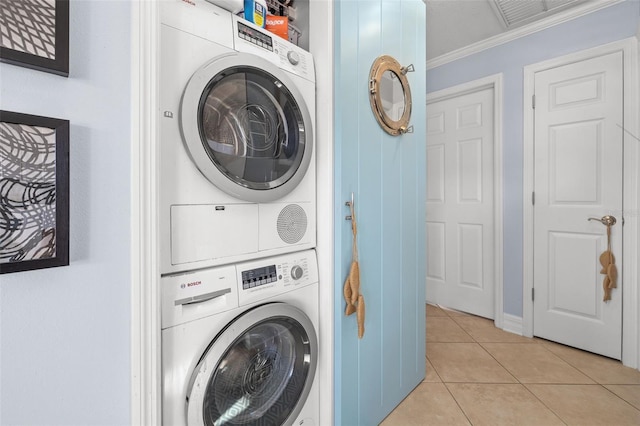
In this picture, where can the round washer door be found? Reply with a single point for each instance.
(246, 127)
(258, 371)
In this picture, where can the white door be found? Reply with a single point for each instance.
(460, 246)
(577, 175)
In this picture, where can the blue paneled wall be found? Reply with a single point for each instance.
(607, 25)
(387, 176)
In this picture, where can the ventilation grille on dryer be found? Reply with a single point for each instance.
(292, 224)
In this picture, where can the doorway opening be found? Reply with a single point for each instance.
(464, 198)
(626, 125)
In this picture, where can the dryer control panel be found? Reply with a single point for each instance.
(254, 36)
(249, 38)
(265, 278)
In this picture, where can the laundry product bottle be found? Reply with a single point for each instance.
(256, 11)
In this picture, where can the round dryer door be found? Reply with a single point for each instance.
(258, 371)
(246, 127)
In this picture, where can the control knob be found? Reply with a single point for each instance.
(293, 57)
(296, 272)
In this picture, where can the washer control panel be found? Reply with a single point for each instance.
(260, 276)
(196, 294)
(261, 279)
(297, 272)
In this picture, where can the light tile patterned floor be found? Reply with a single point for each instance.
(480, 375)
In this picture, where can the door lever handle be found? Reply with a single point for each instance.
(607, 220)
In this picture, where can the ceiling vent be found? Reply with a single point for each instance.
(515, 13)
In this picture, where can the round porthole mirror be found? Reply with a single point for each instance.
(390, 95)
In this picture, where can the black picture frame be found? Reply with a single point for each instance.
(43, 43)
(34, 192)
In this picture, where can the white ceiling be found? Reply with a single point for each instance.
(454, 24)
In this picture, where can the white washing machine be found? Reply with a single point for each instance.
(239, 344)
(237, 176)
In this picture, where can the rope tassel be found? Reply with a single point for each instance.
(609, 268)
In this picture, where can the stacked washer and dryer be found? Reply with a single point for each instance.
(237, 216)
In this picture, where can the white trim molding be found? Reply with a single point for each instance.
(631, 204)
(321, 46)
(145, 290)
(512, 324)
(634, 92)
(520, 32)
(495, 82)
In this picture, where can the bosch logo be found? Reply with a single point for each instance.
(191, 284)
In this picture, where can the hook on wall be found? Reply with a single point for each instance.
(350, 205)
(408, 68)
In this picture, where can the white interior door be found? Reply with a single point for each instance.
(460, 246)
(577, 175)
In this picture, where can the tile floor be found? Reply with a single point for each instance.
(480, 375)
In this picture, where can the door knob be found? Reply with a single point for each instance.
(607, 220)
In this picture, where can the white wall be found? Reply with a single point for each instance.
(64, 332)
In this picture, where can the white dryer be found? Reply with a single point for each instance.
(237, 176)
(239, 344)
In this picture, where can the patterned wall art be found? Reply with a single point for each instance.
(34, 192)
(35, 34)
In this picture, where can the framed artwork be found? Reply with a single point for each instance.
(35, 34)
(34, 192)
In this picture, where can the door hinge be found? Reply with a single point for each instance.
(533, 101)
(533, 294)
(533, 198)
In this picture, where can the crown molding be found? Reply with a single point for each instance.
(523, 31)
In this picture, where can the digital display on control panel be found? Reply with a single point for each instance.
(256, 37)
(259, 276)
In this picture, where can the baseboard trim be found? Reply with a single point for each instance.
(512, 324)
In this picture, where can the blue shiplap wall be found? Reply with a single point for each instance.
(604, 26)
(387, 175)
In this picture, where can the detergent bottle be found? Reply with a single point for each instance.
(256, 11)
